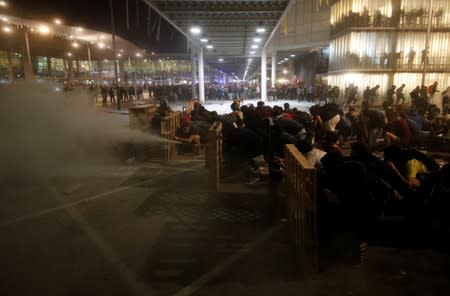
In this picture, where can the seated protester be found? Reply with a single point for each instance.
(163, 109)
(312, 154)
(186, 134)
(329, 115)
(370, 125)
(200, 113)
(353, 116)
(261, 110)
(238, 114)
(307, 121)
(397, 130)
(330, 143)
(411, 165)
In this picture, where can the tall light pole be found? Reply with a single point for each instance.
(113, 33)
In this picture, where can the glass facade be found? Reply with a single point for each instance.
(384, 41)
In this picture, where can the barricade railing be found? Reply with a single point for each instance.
(301, 207)
(169, 125)
(213, 158)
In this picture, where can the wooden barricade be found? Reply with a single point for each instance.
(169, 125)
(141, 115)
(302, 208)
(214, 155)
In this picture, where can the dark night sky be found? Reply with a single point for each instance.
(94, 14)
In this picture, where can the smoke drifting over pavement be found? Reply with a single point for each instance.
(45, 133)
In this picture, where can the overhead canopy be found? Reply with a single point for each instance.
(235, 30)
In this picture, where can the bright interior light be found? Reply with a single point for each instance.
(79, 29)
(5, 19)
(282, 80)
(75, 44)
(209, 46)
(69, 54)
(250, 59)
(101, 45)
(43, 29)
(286, 59)
(257, 39)
(292, 55)
(203, 40)
(138, 55)
(285, 71)
(57, 21)
(252, 52)
(254, 46)
(220, 60)
(260, 30)
(3, 3)
(195, 30)
(7, 29)
(119, 55)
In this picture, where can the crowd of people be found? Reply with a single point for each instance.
(363, 184)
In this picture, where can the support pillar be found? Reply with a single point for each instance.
(100, 72)
(201, 76)
(66, 69)
(194, 73)
(264, 75)
(49, 66)
(9, 67)
(121, 71)
(27, 66)
(70, 69)
(274, 69)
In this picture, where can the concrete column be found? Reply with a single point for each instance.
(27, 66)
(201, 76)
(66, 69)
(70, 69)
(77, 62)
(194, 72)
(9, 67)
(274, 68)
(264, 75)
(224, 78)
(121, 71)
(49, 67)
(100, 72)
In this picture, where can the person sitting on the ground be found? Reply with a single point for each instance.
(312, 154)
(164, 109)
(186, 134)
(412, 165)
(397, 130)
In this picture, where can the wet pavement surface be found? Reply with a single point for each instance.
(152, 229)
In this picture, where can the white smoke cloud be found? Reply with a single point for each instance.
(44, 132)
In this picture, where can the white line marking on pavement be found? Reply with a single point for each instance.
(71, 204)
(222, 267)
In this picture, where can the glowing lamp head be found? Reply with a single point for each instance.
(195, 30)
(43, 29)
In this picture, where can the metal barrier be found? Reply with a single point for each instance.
(302, 208)
(213, 158)
(169, 125)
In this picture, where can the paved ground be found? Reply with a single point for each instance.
(151, 229)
